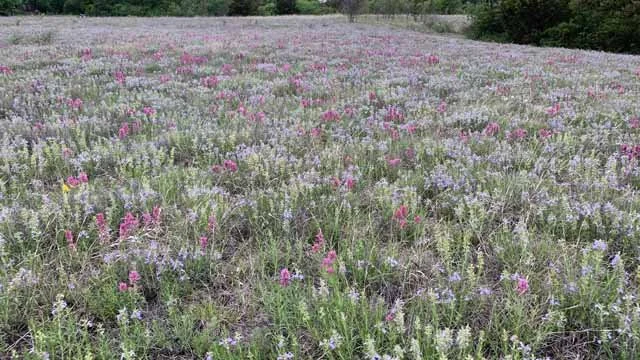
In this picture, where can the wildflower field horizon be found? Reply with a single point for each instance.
(305, 188)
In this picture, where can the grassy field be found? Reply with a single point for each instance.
(305, 188)
(430, 23)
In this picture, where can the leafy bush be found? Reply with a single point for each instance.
(446, 6)
(310, 7)
(600, 25)
(525, 20)
(286, 7)
(74, 7)
(609, 25)
(9, 7)
(487, 24)
(268, 9)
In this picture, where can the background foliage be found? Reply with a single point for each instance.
(610, 25)
(164, 7)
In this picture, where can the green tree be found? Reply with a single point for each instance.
(353, 8)
(74, 7)
(10, 7)
(243, 7)
(285, 7)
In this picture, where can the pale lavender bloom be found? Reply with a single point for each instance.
(571, 287)
(599, 245)
(354, 295)
(332, 343)
(285, 356)
(485, 291)
(615, 260)
(136, 314)
(455, 277)
(297, 276)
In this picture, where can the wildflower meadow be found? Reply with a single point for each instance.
(305, 188)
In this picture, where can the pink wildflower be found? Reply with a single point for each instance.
(153, 218)
(491, 129)
(122, 286)
(148, 110)
(330, 115)
(100, 221)
(442, 107)
(128, 224)
(390, 316)
(101, 224)
(394, 162)
(212, 223)
(134, 277)
(83, 178)
(319, 242)
(285, 277)
(401, 213)
(68, 235)
(327, 262)
(545, 133)
(155, 214)
(203, 243)
(553, 110)
(523, 286)
(227, 69)
(350, 183)
(86, 54)
(394, 114)
(5, 70)
(184, 70)
(74, 103)
(518, 134)
(120, 77)
(124, 131)
(72, 181)
(210, 81)
(464, 137)
(188, 59)
(230, 165)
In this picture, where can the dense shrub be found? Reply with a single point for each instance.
(610, 25)
(168, 7)
(310, 7)
(267, 9)
(286, 7)
(599, 25)
(9, 7)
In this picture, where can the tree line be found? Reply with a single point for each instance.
(228, 7)
(167, 7)
(608, 25)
